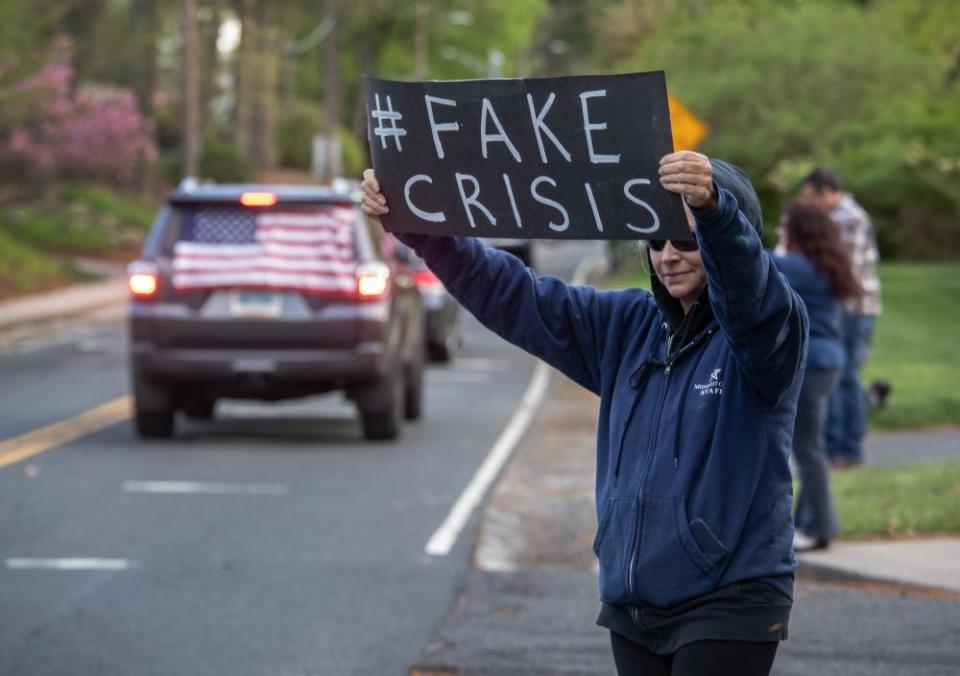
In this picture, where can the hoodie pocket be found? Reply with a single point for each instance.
(676, 559)
(615, 534)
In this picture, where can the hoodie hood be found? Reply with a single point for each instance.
(734, 180)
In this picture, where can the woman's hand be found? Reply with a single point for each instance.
(372, 202)
(689, 174)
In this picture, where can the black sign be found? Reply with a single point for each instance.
(558, 158)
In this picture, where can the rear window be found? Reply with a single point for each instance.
(300, 248)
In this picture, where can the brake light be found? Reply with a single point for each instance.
(258, 199)
(143, 279)
(427, 281)
(373, 280)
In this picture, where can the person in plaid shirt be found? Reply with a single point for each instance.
(846, 421)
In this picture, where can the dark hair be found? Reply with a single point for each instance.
(821, 178)
(811, 233)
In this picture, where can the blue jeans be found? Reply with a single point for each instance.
(847, 420)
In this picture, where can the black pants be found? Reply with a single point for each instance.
(703, 658)
(815, 515)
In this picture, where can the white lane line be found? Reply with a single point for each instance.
(461, 378)
(203, 488)
(442, 541)
(445, 537)
(480, 364)
(70, 564)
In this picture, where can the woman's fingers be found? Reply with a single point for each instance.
(372, 206)
(689, 174)
(684, 177)
(685, 156)
(696, 196)
(372, 201)
(370, 179)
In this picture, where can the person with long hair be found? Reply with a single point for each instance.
(817, 265)
(698, 384)
(847, 410)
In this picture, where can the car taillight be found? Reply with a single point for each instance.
(373, 280)
(427, 281)
(143, 278)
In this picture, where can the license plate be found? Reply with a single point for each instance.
(256, 304)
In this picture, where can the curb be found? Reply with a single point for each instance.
(825, 572)
(63, 303)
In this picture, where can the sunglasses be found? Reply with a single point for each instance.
(680, 245)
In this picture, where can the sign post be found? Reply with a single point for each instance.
(556, 158)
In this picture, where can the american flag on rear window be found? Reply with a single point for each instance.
(232, 246)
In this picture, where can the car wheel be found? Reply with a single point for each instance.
(443, 352)
(153, 409)
(200, 408)
(382, 408)
(154, 424)
(413, 391)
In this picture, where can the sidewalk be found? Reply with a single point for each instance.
(71, 301)
(529, 606)
(920, 562)
(56, 312)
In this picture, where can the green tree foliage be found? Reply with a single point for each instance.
(786, 86)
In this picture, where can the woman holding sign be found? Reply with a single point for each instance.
(698, 384)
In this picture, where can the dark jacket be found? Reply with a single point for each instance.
(823, 307)
(693, 486)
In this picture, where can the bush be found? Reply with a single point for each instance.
(56, 231)
(224, 163)
(23, 269)
(299, 122)
(109, 204)
(219, 161)
(55, 131)
(355, 158)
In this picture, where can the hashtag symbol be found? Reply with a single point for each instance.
(389, 116)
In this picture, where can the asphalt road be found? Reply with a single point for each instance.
(301, 553)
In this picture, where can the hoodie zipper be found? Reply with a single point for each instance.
(646, 469)
(636, 381)
(654, 436)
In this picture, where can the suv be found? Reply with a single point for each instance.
(272, 292)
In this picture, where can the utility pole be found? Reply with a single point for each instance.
(191, 103)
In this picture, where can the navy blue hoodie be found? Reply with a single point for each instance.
(693, 486)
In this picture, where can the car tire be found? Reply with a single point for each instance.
(199, 408)
(413, 391)
(442, 353)
(154, 424)
(153, 409)
(382, 408)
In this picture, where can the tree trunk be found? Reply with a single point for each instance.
(246, 80)
(365, 59)
(331, 93)
(191, 103)
(266, 95)
(209, 68)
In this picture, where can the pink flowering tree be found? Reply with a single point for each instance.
(48, 130)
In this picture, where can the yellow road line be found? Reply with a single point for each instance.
(33, 443)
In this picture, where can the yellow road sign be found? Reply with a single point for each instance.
(688, 129)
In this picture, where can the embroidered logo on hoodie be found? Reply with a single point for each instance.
(712, 387)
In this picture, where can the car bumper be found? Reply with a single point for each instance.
(367, 363)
